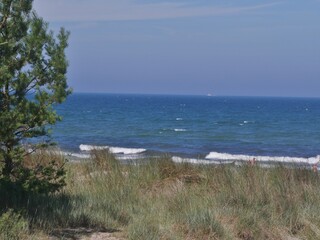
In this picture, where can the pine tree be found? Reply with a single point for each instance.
(33, 69)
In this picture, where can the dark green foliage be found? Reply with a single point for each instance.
(33, 69)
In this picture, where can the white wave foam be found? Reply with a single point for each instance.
(196, 161)
(88, 148)
(246, 122)
(179, 119)
(130, 157)
(79, 155)
(118, 150)
(180, 130)
(115, 150)
(231, 157)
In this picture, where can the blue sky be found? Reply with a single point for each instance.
(221, 47)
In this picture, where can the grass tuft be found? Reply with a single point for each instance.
(13, 226)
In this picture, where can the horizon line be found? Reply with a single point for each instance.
(191, 94)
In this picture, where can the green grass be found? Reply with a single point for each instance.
(13, 226)
(159, 199)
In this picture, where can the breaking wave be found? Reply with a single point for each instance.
(225, 158)
(196, 161)
(115, 150)
(215, 156)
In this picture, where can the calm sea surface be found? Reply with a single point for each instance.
(190, 126)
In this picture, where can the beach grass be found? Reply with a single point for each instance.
(160, 199)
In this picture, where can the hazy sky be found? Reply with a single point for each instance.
(222, 47)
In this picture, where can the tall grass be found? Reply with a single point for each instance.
(159, 199)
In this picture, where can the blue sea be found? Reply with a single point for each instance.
(203, 128)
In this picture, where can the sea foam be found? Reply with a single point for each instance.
(195, 161)
(264, 161)
(215, 156)
(88, 148)
(180, 130)
(78, 155)
(118, 150)
(115, 150)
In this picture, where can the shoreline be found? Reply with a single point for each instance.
(187, 201)
(213, 158)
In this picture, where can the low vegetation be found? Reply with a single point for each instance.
(159, 199)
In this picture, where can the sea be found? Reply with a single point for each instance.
(197, 129)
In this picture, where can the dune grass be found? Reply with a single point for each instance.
(159, 199)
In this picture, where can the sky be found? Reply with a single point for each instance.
(218, 47)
